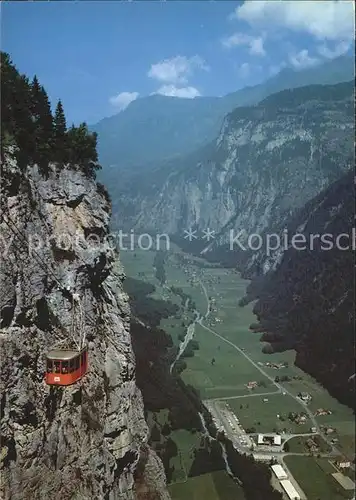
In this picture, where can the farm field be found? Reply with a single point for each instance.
(213, 486)
(263, 416)
(136, 262)
(186, 443)
(228, 374)
(299, 445)
(314, 478)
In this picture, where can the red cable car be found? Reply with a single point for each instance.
(66, 366)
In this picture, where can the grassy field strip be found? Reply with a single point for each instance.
(315, 481)
(214, 486)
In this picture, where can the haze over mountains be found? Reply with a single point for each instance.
(268, 160)
(261, 160)
(156, 128)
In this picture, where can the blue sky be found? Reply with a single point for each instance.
(99, 56)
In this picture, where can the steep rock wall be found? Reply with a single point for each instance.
(268, 161)
(89, 440)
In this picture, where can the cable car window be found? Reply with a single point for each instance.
(57, 366)
(65, 367)
(71, 366)
(49, 366)
(77, 363)
(82, 359)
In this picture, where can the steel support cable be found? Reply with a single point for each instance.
(44, 266)
(47, 269)
(39, 259)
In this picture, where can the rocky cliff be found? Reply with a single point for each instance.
(88, 440)
(268, 161)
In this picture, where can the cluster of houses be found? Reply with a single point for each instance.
(304, 396)
(320, 412)
(277, 366)
(312, 445)
(327, 429)
(298, 418)
(251, 385)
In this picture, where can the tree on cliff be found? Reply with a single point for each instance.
(39, 138)
(42, 124)
(82, 150)
(60, 134)
(16, 120)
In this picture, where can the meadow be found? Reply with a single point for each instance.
(213, 486)
(228, 374)
(315, 479)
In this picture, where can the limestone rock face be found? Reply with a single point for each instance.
(268, 161)
(88, 440)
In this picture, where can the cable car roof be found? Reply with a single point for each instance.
(62, 354)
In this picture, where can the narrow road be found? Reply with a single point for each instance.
(207, 300)
(191, 328)
(183, 345)
(246, 395)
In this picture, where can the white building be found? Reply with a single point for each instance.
(262, 458)
(290, 490)
(344, 465)
(277, 440)
(261, 439)
(279, 472)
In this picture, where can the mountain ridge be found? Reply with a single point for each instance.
(156, 128)
(307, 126)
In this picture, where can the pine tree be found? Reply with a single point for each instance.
(82, 147)
(16, 123)
(43, 125)
(28, 124)
(60, 128)
(23, 132)
(8, 79)
(46, 128)
(35, 90)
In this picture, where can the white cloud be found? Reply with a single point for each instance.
(183, 92)
(122, 100)
(302, 60)
(256, 47)
(324, 19)
(338, 50)
(274, 69)
(244, 70)
(177, 69)
(237, 39)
